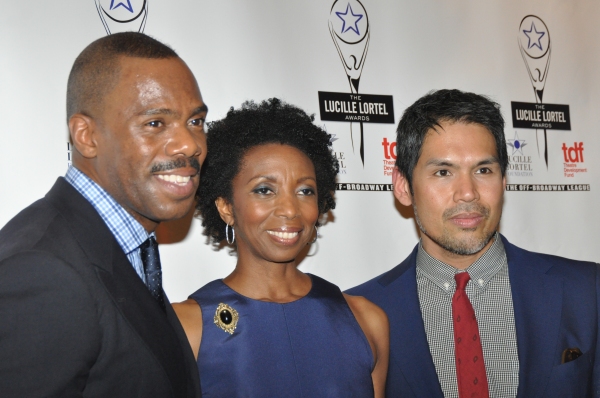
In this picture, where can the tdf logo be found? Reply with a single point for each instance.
(573, 154)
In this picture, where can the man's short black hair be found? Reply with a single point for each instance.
(445, 106)
(96, 70)
(270, 122)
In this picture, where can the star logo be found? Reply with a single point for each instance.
(350, 18)
(534, 37)
(127, 6)
(516, 144)
(122, 15)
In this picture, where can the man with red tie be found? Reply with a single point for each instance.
(472, 315)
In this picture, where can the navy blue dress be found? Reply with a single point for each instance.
(312, 347)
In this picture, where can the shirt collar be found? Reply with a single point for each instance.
(481, 271)
(128, 232)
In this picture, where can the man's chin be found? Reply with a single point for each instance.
(173, 212)
(175, 216)
(465, 246)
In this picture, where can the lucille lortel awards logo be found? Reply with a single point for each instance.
(536, 47)
(350, 32)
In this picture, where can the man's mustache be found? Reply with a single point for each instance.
(467, 208)
(176, 164)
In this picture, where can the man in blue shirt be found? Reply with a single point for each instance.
(82, 308)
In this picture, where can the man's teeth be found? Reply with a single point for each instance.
(179, 180)
(284, 235)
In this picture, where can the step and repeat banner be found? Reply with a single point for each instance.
(356, 65)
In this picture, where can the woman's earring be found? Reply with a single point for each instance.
(316, 236)
(227, 226)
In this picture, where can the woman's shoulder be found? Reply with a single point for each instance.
(189, 311)
(190, 317)
(367, 311)
(369, 315)
(321, 286)
(208, 291)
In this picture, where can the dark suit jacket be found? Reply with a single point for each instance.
(556, 307)
(75, 318)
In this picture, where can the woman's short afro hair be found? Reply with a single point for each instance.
(270, 122)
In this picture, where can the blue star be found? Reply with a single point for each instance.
(537, 40)
(516, 144)
(127, 6)
(357, 17)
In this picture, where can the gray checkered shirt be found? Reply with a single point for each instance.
(490, 295)
(127, 231)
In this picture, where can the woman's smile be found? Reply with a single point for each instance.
(284, 237)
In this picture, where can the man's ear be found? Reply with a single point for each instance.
(82, 130)
(401, 187)
(225, 210)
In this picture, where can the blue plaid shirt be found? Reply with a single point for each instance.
(127, 231)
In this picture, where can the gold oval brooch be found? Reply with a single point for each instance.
(226, 318)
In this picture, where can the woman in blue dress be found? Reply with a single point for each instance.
(267, 329)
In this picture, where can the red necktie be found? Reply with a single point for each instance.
(470, 368)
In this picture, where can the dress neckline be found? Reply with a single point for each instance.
(312, 287)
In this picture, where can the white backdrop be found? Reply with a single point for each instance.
(257, 49)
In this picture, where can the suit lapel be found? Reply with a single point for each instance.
(537, 301)
(127, 290)
(408, 342)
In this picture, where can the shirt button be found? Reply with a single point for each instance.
(481, 282)
(446, 285)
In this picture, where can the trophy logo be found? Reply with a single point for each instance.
(534, 42)
(122, 15)
(349, 29)
(535, 46)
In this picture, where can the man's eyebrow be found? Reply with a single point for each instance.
(446, 163)
(200, 109)
(439, 162)
(167, 111)
(156, 111)
(490, 160)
